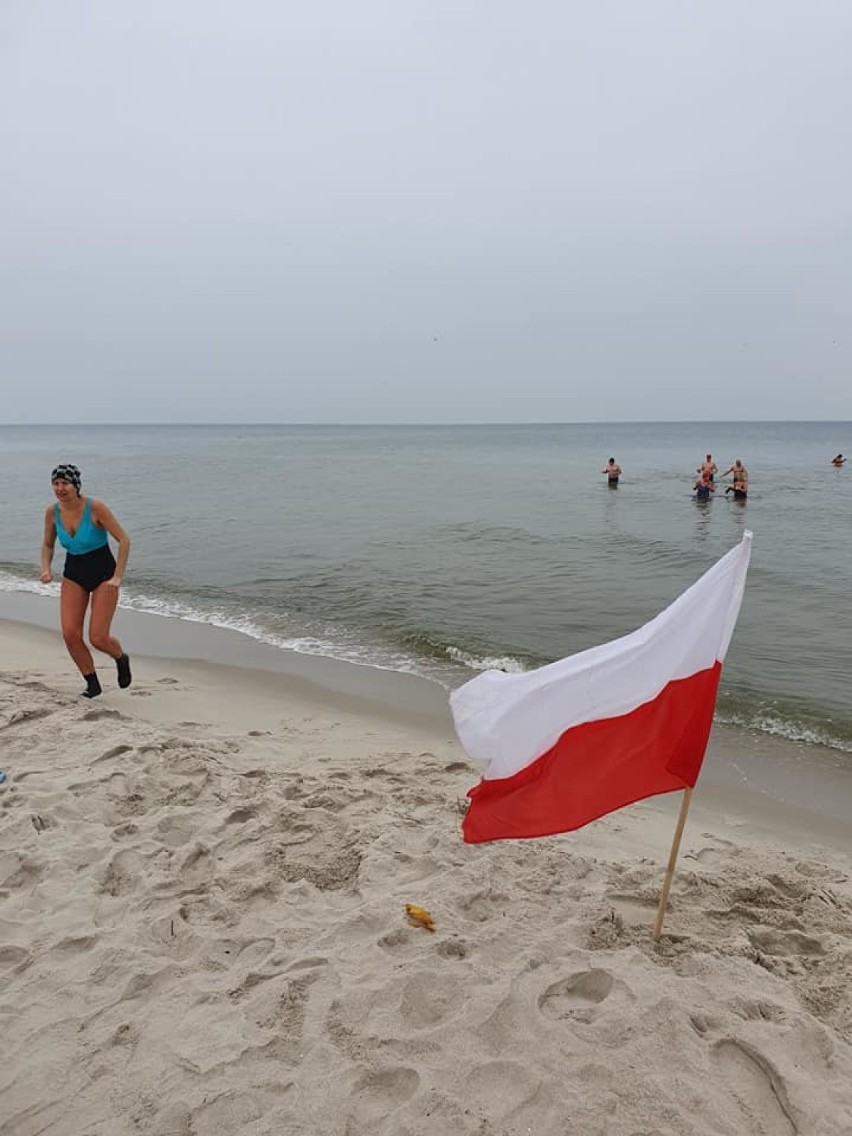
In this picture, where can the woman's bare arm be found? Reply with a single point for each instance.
(48, 543)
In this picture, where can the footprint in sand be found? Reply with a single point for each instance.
(147, 985)
(789, 889)
(483, 905)
(295, 791)
(702, 1024)
(18, 717)
(576, 996)
(760, 1011)
(116, 751)
(431, 997)
(705, 855)
(311, 962)
(175, 830)
(174, 1119)
(13, 958)
(377, 1093)
(398, 938)
(231, 1111)
(241, 815)
(718, 849)
(253, 953)
(75, 944)
(198, 865)
(127, 828)
(757, 1087)
(99, 715)
(285, 1013)
(20, 871)
(453, 949)
(504, 1086)
(121, 875)
(321, 851)
(774, 942)
(334, 803)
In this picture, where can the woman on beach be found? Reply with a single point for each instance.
(91, 575)
(740, 486)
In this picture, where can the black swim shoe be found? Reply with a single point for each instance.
(122, 665)
(93, 686)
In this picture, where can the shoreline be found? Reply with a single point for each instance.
(168, 638)
(797, 707)
(756, 776)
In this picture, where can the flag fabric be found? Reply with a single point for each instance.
(589, 734)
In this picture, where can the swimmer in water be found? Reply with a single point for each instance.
(709, 467)
(613, 472)
(704, 487)
(838, 461)
(740, 485)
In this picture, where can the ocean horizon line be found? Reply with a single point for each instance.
(437, 425)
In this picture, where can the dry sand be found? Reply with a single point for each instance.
(202, 883)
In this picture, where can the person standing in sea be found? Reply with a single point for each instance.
(740, 475)
(613, 472)
(709, 467)
(704, 486)
(91, 578)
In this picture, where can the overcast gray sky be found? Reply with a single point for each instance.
(425, 210)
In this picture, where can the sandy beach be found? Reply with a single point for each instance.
(202, 926)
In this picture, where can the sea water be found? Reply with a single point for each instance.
(443, 550)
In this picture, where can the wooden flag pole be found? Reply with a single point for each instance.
(667, 882)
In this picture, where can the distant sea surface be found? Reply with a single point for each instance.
(445, 550)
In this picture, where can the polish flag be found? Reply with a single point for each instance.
(589, 734)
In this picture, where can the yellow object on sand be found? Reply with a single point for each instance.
(419, 916)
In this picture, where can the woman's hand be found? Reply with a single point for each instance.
(113, 582)
(46, 576)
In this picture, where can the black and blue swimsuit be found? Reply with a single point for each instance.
(89, 561)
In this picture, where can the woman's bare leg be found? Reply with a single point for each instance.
(73, 601)
(104, 603)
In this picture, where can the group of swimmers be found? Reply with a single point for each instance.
(705, 484)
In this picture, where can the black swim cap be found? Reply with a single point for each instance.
(68, 473)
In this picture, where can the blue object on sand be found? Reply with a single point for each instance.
(2, 776)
